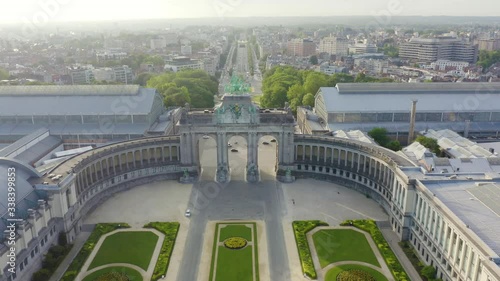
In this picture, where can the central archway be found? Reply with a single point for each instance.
(237, 151)
(268, 155)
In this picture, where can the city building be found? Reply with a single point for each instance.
(472, 109)
(81, 76)
(362, 48)
(178, 63)
(331, 69)
(301, 47)
(488, 44)
(447, 65)
(439, 48)
(83, 114)
(110, 55)
(123, 74)
(186, 50)
(372, 66)
(334, 46)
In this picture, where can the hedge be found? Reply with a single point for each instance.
(390, 258)
(300, 228)
(170, 230)
(52, 259)
(81, 257)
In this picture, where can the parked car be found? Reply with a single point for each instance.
(206, 137)
(265, 142)
(273, 140)
(234, 150)
(187, 214)
(229, 145)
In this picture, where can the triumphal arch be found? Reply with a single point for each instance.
(237, 115)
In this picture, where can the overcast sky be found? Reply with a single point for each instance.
(78, 10)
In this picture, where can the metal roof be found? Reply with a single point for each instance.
(70, 90)
(82, 100)
(22, 142)
(397, 97)
(467, 201)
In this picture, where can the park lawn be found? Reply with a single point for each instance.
(131, 273)
(334, 245)
(133, 247)
(331, 275)
(235, 230)
(234, 264)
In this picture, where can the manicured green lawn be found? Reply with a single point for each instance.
(231, 265)
(132, 274)
(234, 264)
(335, 245)
(331, 275)
(235, 230)
(133, 247)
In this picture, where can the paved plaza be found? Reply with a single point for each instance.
(267, 201)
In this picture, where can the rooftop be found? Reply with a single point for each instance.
(75, 100)
(476, 204)
(433, 97)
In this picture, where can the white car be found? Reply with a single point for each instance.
(187, 214)
(206, 137)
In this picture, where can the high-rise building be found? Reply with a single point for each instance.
(488, 44)
(334, 46)
(439, 48)
(301, 47)
(82, 76)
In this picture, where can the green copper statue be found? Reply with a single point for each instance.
(237, 86)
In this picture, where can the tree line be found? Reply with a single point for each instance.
(195, 87)
(298, 87)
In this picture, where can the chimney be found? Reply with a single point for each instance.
(413, 115)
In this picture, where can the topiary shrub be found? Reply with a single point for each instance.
(355, 275)
(235, 243)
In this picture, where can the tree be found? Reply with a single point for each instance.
(193, 86)
(394, 145)
(41, 275)
(62, 240)
(314, 81)
(4, 74)
(429, 272)
(308, 99)
(379, 135)
(295, 96)
(142, 79)
(313, 60)
(430, 143)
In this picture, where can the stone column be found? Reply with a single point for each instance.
(252, 169)
(222, 174)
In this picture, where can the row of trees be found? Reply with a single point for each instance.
(487, 59)
(195, 87)
(298, 87)
(4, 74)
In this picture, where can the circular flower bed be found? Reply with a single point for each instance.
(355, 275)
(113, 276)
(235, 243)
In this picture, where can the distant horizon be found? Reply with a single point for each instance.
(46, 11)
(243, 17)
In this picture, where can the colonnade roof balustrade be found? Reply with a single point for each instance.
(78, 162)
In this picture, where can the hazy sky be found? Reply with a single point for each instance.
(77, 10)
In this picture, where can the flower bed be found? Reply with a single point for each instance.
(170, 230)
(355, 275)
(390, 258)
(79, 260)
(300, 228)
(113, 276)
(235, 243)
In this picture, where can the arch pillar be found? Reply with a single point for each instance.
(252, 168)
(222, 174)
